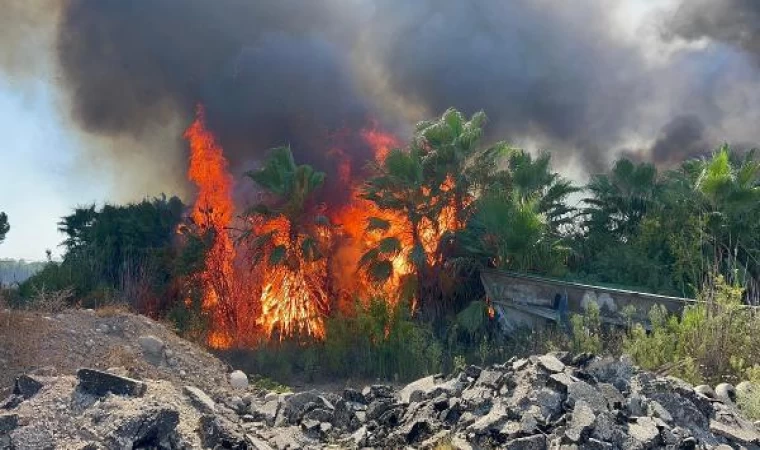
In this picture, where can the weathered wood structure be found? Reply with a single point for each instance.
(528, 301)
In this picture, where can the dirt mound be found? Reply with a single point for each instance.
(63, 343)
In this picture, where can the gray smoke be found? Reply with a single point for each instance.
(551, 75)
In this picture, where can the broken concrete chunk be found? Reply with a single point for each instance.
(200, 399)
(97, 383)
(26, 386)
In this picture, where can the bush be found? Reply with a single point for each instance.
(712, 342)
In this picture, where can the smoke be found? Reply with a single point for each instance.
(562, 76)
(733, 22)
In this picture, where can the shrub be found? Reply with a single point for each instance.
(712, 341)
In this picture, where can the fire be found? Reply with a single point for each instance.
(287, 291)
(294, 299)
(212, 212)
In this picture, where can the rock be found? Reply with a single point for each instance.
(705, 390)
(359, 437)
(97, 383)
(379, 407)
(582, 422)
(491, 379)
(377, 391)
(200, 399)
(266, 412)
(319, 414)
(299, 404)
(352, 395)
(655, 409)
(417, 431)
(11, 402)
(238, 380)
(418, 390)
(561, 382)
(520, 364)
(551, 363)
(218, 432)
(473, 371)
(725, 393)
(151, 345)
(615, 400)
(580, 390)
(26, 386)
(151, 428)
(644, 431)
(536, 442)
(736, 433)
(494, 420)
(255, 443)
(8, 423)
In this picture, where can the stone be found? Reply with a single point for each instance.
(494, 420)
(655, 409)
(582, 421)
(359, 437)
(551, 363)
(266, 412)
(239, 380)
(254, 443)
(561, 382)
(736, 433)
(8, 423)
(705, 390)
(97, 383)
(352, 395)
(417, 431)
(644, 431)
(377, 391)
(635, 406)
(473, 371)
(33, 437)
(11, 402)
(615, 400)
(151, 345)
(319, 414)
(299, 404)
(535, 442)
(580, 390)
(725, 393)
(490, 378)
(520, 364)
(418, 390)
(378, 408)
(218, 432)
(26, 386)
(550, 403)
(200, 399)
(148, 429)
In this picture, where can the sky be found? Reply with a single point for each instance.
(47, 166)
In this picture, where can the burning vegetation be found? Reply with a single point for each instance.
(279, 267)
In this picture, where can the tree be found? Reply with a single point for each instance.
(4, 226)
(290, 237)
(517, 223)
(619, 200)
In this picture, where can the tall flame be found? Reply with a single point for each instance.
(212, 213)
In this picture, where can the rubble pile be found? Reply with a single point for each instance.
(556, 400)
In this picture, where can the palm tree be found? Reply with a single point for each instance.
(400, 187)
(619, 200)
(290, 237)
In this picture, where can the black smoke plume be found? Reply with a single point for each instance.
(550, 75)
